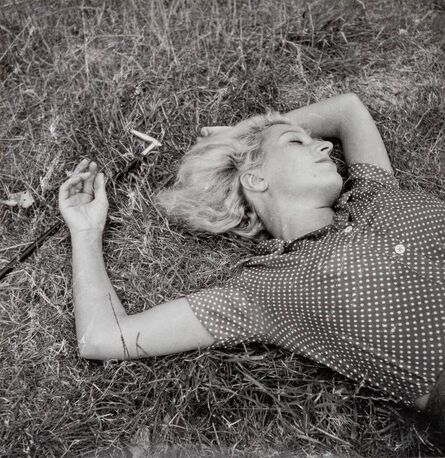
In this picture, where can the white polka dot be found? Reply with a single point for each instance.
(364, 296)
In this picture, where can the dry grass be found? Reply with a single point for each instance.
(75, 78)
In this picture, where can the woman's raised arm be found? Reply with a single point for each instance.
(344, 117)
(104, 330)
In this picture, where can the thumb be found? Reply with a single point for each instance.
(99, 187)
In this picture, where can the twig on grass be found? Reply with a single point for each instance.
(55, 227)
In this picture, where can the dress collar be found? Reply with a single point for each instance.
(278, 246)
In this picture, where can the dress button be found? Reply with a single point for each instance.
(348, 229)
(400, 249)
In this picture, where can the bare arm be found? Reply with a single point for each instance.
(96, 303)
(344, 117)
(105, 331)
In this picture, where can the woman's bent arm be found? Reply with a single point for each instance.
(345, 117)
(95, 301)
(105, 331)
(324, 118)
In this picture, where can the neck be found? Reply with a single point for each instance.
(291, 223)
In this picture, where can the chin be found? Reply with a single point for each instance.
(335, 191)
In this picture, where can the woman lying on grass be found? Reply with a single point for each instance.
(353, 280)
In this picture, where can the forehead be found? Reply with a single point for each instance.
(273, 133)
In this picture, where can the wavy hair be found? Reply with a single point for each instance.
(207, 194)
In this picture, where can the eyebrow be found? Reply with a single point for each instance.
(296, 131)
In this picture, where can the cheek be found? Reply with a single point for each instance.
(286, 165)
(278, 174)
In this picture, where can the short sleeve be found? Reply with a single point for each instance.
(365, 183)
(370, 175)
(228, 314)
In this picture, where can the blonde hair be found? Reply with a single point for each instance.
(207, 194)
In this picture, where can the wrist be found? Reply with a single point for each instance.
(86, 235)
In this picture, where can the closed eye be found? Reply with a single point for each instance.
(296, 141)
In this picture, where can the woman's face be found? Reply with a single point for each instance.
(292, 169)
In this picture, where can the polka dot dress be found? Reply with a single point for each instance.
(364, 295)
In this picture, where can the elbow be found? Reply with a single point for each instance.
(88, 350)
(353, 100)
(351, 95)
(350, 110)
(100, 351)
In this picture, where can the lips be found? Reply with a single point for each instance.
(325, 159)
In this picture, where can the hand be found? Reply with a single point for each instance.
(230, 131)
(210, 134)
(83, 200)
(210, 130)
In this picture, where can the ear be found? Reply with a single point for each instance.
(253, 181)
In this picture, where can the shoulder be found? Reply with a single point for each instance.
(368, 173)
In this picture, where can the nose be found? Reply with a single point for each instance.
(325, 147)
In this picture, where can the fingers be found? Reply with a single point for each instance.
(88, 184)
(81, 166)
(99, 187)
(206, 131)
(69, 187)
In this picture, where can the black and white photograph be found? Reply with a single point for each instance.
(222, 228)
